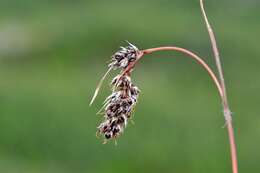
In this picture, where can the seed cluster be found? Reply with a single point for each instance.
(119, 106)
(122, 58)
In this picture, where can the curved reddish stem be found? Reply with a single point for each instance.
(214, 78)
(195, 57)
(182, 50)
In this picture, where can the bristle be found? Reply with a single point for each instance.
(98, 86)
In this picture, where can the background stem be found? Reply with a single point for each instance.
(227, 112)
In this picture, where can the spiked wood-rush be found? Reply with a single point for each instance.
(120, 104)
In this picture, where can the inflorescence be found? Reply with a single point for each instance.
(118, 107)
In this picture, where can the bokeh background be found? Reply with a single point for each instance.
(52, 54)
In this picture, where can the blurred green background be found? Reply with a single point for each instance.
(52, 54)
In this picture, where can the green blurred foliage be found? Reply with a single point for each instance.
(52, 54)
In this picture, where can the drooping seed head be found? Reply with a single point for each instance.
(118, 107)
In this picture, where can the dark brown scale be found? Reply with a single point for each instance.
(133, 91)
(113, 124)
(120, 120)
(125, 104)
(131, 59)
(115, 131)
(124, 111)
(118, 56)
(114, 81)
(109, 113)
(130, 102)
(128, 114)
(124, 84)
(116, 107)
(105, 127)
(113, 107)
(107, 135)
(118, 111)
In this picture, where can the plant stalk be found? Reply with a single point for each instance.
(227, 112)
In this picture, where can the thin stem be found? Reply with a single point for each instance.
(216, 54)
(227, 112)
(195, 57)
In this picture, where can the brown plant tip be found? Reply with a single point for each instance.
(122, 58)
